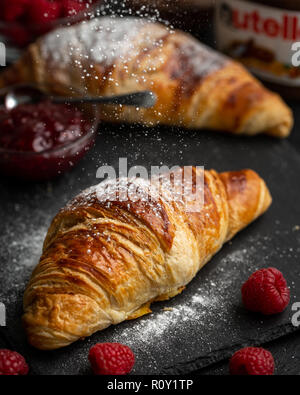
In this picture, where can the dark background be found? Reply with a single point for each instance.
(196, 339)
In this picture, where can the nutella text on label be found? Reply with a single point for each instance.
(262, 37)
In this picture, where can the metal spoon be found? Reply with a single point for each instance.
(25, 94)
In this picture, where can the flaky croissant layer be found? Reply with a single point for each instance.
(105, 261)
(196, 86)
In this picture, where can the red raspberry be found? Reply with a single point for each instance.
(12, 363)
(44, 11)
(73, 7)
(19, 35)
(252, 361)
(266, 292)
(12, 10)
(111, 358)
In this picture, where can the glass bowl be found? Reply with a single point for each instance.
(48, 164)
(16, 35)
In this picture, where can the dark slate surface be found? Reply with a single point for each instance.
(207, 322)
(286, 353)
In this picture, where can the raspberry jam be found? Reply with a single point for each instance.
(43, 140)
(37, 128)
(24, 20)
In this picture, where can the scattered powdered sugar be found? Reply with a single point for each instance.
(22, 242)
(154, 326)
(101, 40)
(27, 246)
(195, 305)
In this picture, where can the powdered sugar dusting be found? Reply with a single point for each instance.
(102, 40)
(24, 244)
(194, 307)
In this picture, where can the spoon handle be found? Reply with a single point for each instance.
(145, 99)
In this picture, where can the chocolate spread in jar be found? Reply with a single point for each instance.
(265, 36)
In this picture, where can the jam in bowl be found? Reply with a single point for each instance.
(41, 141)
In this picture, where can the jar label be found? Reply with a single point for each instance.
(265, 39)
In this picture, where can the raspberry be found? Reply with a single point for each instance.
(41, 11)
(44, 11)
(19, 35)
(266, 292)
(252, 361)
(73, 7)
(12, 363)
(111, 358)
(12, 10)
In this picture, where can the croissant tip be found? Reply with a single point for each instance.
(267, 200)
(248, 198)
(282, 129)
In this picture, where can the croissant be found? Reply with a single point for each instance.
(196, 86)
(106, 260)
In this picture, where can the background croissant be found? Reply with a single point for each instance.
(105, 261)
(196, 86)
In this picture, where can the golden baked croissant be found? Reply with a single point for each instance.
(196, 86)
(104, 260)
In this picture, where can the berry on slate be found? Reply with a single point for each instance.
(12, 363)
(252, 361)
(266, 291)
(111, 359)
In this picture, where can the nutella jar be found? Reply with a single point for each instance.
(265, 36)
